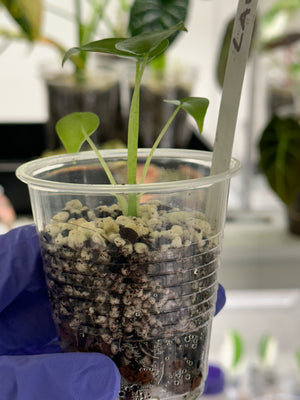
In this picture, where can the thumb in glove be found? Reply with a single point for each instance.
(69, 376)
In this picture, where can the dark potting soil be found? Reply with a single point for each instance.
(138, 289)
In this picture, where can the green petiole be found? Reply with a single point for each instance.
(156, 143)
(122, 201)
(133, 136)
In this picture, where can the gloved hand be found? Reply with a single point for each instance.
(31, 365)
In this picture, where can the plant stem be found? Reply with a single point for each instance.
(156, 143)
(97, 15)
(79, 72)
(133, 127)
(78, 21)
(122, 201)
(101, 159)
(133, 134)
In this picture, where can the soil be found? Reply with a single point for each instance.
(138, 289)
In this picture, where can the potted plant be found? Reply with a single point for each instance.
(131, 266)
(100, 88)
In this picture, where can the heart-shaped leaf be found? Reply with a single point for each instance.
(74, 128)
(150, 16)
(195, 106)
(279, 148)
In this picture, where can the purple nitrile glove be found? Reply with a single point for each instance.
(215, 381)
(28, 338)
(26, 325)
(221, 299)
(31, 365)
(64, 376)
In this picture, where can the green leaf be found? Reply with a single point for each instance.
(267, 350)
(159, 64)
(148, 42)
(107, 46)
(279, 148)
(195, 106)
(153, 15)
(223, 52)
(27, 14)
(262, 347)
(237, 348)
(158, 51)
(74, 128)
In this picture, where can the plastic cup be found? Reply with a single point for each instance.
(139, 289)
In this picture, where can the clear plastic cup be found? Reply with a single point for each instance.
(139, 289)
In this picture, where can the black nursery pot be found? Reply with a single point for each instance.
(140, 289)
(98, 93)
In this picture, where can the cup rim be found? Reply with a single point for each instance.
(27, 172)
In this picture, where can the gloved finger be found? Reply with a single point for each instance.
(221, 299)
(21, 264)
(25, 317)
(69, 376)
(215, 381)
(26, 325)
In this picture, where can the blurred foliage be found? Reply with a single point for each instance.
(88, 16)
(279, 145)
(280, 157)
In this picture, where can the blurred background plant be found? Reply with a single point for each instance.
(279, 144)
(92, 18)
(86, 16)
(91, 82)
(96, 83)
(277, 42)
